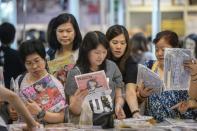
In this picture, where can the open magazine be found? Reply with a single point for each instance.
(46, 93)
(59, 67)
(99, 97)
(175, 76)
(149, 78)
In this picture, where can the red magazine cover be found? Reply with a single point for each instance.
(92, 81)
(46, 93)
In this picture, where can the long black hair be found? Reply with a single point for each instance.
(91, 42)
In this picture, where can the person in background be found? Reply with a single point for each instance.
(119, 52)
(11, 63)
(9, 58)
(14, 100)
(63, 36)
(159, 105)
(190, 42)
(139, 49)
(92, 58)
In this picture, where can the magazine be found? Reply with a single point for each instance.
(59, 67)
(94, 82)
(46, 93)
(99, 97)
(175, 76)
(149, 78)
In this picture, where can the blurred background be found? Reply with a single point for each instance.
(31, 17)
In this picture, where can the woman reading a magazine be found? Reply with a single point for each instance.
(48, 103)
(118, 38)
(92, 58)
(159, 105)
(64, 38)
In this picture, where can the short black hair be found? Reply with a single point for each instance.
(30, 47)
(169, 36)
(57, 21)
(7, 33)
(90, 42)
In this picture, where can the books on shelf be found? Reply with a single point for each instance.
(46, 93)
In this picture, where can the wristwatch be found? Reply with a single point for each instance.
(41, 114)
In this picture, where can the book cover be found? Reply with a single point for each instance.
(175, 76)
(149, 78)
(46, 93)
(94, 82)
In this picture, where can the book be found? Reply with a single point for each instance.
(46, 93)
(175, 76)
(59, 67)
(94, 82)
(149, 78)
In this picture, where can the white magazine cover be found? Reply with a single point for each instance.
(99, 97)
(149, 78)
(175, 76)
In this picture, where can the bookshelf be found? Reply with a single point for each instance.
(177, 15)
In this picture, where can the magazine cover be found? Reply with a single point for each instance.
(46, 94)
(59, 67)
(175, 76)
(94, 82)
(149, 78)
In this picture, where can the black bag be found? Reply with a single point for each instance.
(105, 120)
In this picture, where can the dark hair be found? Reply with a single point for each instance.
(169, 36)
(194, 38)
(115, 31)
(30, 47)
(91, 42)
(138, 42)
(57, 21)
(7, 33)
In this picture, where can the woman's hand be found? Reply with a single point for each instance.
(191, 65)
(143, 92)
(33, 107)
(119, 112)
(183, 106)
(76, 101)
(12, 113)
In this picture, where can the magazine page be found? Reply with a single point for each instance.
(59, 67)
(46, 93)
(175, 76)
(149, 78)
(94, 82)
(99, 97)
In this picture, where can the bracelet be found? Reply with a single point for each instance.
(41, 114)
(142, 96)
(135, 111)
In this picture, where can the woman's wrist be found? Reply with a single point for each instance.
(135, 111)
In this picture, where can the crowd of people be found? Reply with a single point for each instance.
(114, 52)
